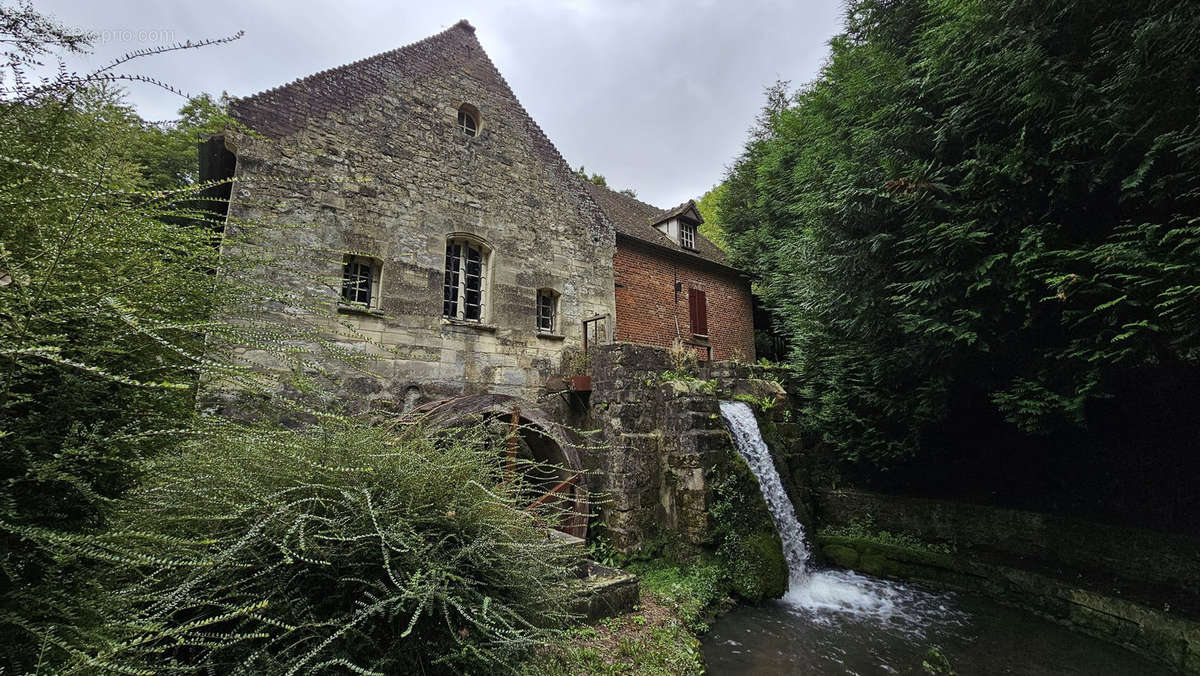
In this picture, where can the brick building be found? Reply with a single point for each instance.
(468, 250)
(671, 282)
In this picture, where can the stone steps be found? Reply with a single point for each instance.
(605, 592)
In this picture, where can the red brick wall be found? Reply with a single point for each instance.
(647, 306)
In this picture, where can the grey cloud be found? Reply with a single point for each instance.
(657, 96)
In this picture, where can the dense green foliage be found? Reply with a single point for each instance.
(979, 197)
(261, 550)
(745, 539)
(711, 213)
(140, 535)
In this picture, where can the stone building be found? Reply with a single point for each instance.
(468, 249)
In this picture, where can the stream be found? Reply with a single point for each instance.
(839, 622)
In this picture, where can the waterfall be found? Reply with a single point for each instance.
(739, 418)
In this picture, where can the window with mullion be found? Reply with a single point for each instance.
(359, 278)
(545, 311)
(687, 236)
(464, 283)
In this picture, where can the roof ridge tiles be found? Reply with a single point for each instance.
(461, 24)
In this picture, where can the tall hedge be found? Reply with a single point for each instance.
(999, 197)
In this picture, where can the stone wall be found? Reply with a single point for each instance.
(1158, 632)
(1035, 539)
(367, 159)
(651, 313)
(659, 439)
(666, 459)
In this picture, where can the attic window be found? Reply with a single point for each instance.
(687, 235)
(468, 120)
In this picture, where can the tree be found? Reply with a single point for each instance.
(710, 212)
(994, 198)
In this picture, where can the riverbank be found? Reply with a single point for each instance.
(1126, 587)
(678, 603)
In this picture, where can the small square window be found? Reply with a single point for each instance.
(360, 281)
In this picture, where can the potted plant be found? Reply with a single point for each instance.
(577, 367)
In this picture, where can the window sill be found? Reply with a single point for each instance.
(551, 336)
(348, 309)
(700, 336)
(462, 323)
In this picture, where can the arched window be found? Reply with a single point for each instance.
(464, 287)
(468, 120)
(547, 311)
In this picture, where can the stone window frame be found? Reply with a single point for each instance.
(456, 286)
(687, 235)
(359, 271)
(546, 315)
(469, 122)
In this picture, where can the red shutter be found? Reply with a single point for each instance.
(698, 307)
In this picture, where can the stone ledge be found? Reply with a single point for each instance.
(551, 336)
(453, 324)
(347, 309)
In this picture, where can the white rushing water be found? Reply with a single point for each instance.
(750, 445)
(823, 595)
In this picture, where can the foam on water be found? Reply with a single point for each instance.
(825, 595)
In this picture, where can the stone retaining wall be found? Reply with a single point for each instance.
(1172, 562)
(1154, 633)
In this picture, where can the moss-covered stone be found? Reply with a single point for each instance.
(742, 532)
(872, 562)
(759, 571)
(841, 555)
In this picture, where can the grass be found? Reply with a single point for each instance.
(864, 529)
(653, 639)
(678, 603)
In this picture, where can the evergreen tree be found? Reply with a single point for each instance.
(993, 197)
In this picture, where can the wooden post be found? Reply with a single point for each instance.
(510, 464)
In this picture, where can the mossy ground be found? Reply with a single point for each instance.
(654, 639)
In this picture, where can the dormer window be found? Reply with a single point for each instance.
(468, 120)
(687, 235)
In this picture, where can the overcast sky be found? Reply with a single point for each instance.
(655, 95)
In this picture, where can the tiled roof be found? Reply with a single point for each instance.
(636, 219)
(284, 110)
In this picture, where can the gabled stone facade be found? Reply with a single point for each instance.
(368, 160)
(373, 173)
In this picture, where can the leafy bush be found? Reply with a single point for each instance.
(864, 529)
(993, 200)
(112, 312)
(695, 589)
(363, 548)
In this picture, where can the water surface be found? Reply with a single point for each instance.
(845, 623)
(837, 622)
